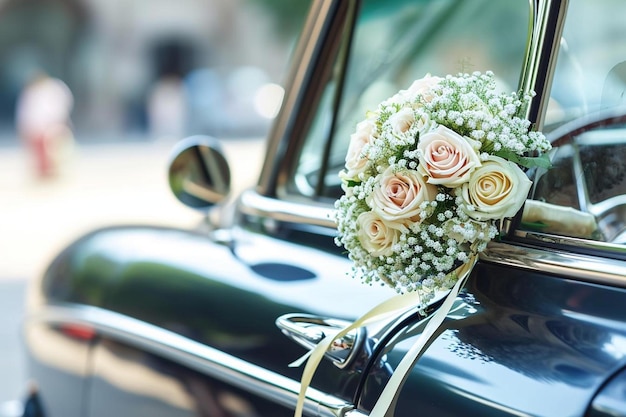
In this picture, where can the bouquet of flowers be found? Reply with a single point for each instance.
(428, 176)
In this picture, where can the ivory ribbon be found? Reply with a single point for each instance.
(386, 403)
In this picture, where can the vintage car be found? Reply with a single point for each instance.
(151, 321)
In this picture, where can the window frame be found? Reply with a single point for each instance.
(541, 70)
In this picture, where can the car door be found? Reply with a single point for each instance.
(539, 328)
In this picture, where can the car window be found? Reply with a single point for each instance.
(393, 44)
(586, 188)
(591, 64)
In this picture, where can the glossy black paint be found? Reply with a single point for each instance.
(540, 339)
(225, 296)
(518, 343)
(611, 400)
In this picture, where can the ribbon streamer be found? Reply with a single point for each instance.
(386, 403)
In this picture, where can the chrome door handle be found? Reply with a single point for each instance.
(308, 330)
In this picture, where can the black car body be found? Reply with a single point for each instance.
(134, 321)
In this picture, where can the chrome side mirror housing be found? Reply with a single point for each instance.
(199, 174)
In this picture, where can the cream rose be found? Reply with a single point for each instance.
(496, 190)
(423, 88)
(377, 236)
(399, 195)
(356, 161)
(446, 157)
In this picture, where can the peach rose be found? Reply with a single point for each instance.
(356, 161)
(377, 236)
(423, 88)
(399, 195)
(446, 157)
(496, 190)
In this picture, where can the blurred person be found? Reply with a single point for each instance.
(32, 404)
(43, 122)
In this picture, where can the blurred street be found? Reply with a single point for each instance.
(121, 82)
(101, 185)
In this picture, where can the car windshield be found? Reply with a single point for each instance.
(395, 43)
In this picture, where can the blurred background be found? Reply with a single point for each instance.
(94, 94)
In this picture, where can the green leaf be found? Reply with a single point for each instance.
(542, 161)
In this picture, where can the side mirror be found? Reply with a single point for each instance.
(199, 175)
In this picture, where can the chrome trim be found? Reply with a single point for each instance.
(577, 266)
(356, 413)
(195, 355)
(584, 267)
(310, 40)
(572, 242)
(254, 204)
(586, 245)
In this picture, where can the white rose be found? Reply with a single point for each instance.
(496, 190)
(423, 88)
(377, 236)
(402, 121)
(447, 158)
(356, 160)
(409, 119)
(423, 122)
(398, 195)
